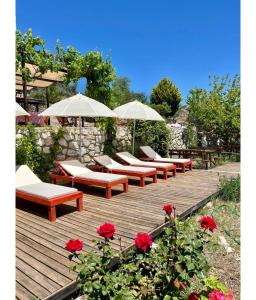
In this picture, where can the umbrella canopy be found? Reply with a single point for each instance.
(20, 111)
(136, 110)
(78, 106)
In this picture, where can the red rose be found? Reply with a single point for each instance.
(193, 296)
(168, 209)
(208, 223)
(106, 230)
(143, 241)
(74, 245)
(216, 295)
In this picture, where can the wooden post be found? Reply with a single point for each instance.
(47, 97)
(47, 101)
(24, 84)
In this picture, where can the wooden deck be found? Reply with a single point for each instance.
(41, 259)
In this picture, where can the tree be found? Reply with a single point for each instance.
(99, 73)
(216, 113)
(121, 92)
(166, 98)
(30, 49)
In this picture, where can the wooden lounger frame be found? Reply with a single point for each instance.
(165, 170)
(53, 201)
(141, 175)
(178, 164)
(64, 176)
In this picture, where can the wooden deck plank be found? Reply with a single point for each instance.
(26, 281)
(36, 276)
(42, 268)
(22, 293)
(42, 263)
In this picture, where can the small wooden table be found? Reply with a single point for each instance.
(208, 156)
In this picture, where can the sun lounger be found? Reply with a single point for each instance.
(31, 188)
(114, 167)
(72, 170)
(129, 159)
(149, 153)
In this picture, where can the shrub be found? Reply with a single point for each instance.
(230, 189)
(154, 134)
(28, 153)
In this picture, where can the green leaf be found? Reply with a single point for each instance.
(178, 268)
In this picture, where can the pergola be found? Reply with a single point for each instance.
(39, 80)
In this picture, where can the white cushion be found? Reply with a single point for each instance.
(149, 152)
(153, 164)
(25, 176)
(46, 190)
(111, 164)
(74, 167)
(174, 160)
(132, 169)
(106, 161)
(132, 160)
(127, 157)
(101, 176)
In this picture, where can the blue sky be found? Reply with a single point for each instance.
(184, 40)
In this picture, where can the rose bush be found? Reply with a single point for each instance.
(161, 272)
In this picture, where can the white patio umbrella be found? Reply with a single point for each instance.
(20, 111)
(78, 106)
(136, 110)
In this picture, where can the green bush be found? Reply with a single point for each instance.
(28, 153)
(154, 134)
(235, 157)
(230, 189)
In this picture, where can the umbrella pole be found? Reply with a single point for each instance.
(80, 137)
(133, 136)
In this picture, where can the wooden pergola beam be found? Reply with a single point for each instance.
(42, 79)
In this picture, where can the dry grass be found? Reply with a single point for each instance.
(225, 265)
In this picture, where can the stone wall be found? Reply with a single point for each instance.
(123, 139)
(179, 136)
(93, 139)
